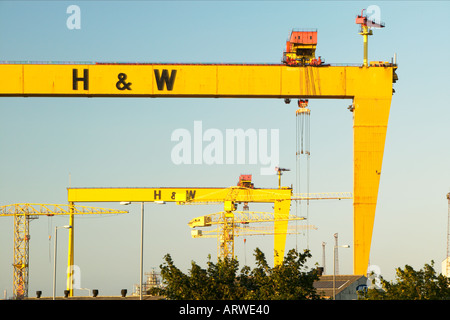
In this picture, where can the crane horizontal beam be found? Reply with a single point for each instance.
(194, 80)
(178, 195)
(322, 196)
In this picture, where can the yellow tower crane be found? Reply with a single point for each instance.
(239, 227)
(228, 222)
(229, 218)
(23, 213)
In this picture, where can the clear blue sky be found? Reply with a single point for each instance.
(126, 142)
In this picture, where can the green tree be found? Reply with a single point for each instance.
(289, 281)
(222, 280)
(410, 284)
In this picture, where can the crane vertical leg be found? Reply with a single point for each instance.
(282, 208)
(366, 32)
(366, 49)
(70, 260)
(370, 120)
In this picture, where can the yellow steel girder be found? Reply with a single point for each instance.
(369, 87)
(194, 80)
(178, 195)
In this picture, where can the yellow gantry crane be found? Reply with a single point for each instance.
(229, 197)
(23, 213)
(369, 86)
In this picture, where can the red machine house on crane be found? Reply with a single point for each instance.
(301, 49)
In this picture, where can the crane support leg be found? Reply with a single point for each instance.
(70, 259)
(369, 128)
(282, 208)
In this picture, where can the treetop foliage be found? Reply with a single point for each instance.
(223, 281)
(410, 284)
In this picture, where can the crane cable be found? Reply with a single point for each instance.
(303, 150)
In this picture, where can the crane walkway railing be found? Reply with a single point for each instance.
(322, 196)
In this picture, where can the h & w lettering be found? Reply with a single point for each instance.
(164, 78)
(84, 79)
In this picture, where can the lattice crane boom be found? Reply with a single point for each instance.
(40, 209)
(242, 217)
(240, 231)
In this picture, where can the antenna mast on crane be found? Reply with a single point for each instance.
(366, 31)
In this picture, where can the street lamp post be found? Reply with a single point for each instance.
(54, 257)
(141, 258)
(334, 268)
(141, 270)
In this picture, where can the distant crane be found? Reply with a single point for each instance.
(226, 231)
(279, 170)
(23, 213)
(246, 230)
(228, 220)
